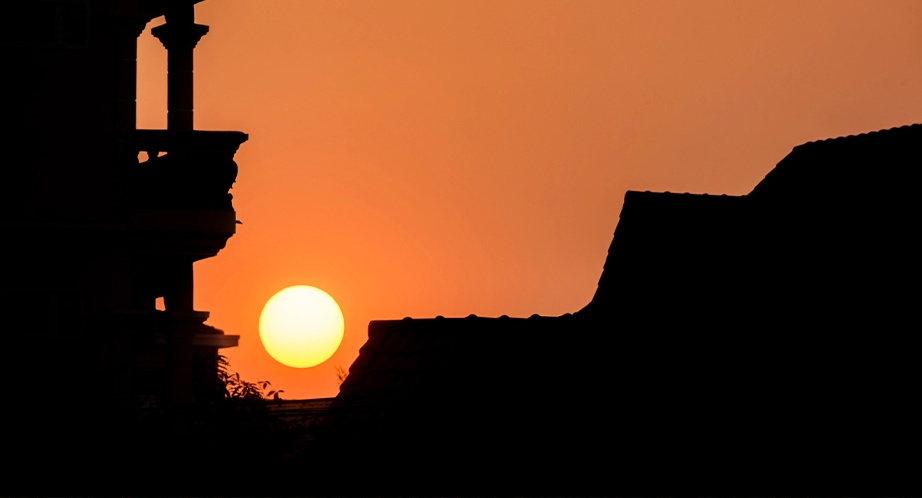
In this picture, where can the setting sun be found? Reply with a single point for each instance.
(301, 326)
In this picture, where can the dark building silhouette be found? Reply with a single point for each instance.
(99, 220)
(766, 339)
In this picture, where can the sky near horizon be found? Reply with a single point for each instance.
(442, 157)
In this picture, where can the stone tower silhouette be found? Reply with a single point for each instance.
(93, 235)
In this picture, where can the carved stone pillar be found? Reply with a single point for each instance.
(179, 35)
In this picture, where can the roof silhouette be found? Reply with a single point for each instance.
(769, 329)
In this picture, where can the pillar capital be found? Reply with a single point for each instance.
(181, 37)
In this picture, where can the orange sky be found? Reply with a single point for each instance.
(436, 157)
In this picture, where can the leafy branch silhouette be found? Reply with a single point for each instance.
(341, 374)
(237, 388)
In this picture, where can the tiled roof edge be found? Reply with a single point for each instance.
(865, 134)
(389, 323)
(633, 193)
(802, 151)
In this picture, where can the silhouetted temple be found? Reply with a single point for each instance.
(100, 220)
(766, 337)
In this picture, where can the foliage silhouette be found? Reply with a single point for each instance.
(341, 374)
(237, 388)
(229, 423)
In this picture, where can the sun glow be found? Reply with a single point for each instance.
(301, 326)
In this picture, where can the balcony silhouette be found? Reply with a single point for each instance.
(196, 171)
(178, 198)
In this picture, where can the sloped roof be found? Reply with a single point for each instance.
(874, 164)
(720, 322)
(665, 237)
(417, 358)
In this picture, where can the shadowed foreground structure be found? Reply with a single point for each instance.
(766, 338)
(100, 220)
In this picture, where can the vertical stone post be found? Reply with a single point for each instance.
(179, 35)
(178, 294)
(183, 325)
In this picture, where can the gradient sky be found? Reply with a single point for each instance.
(441, 157)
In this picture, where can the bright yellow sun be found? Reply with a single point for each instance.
(301, 326)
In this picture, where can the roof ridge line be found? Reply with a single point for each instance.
(867, 133)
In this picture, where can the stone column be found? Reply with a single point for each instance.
(179, 287)
(179, 35)
(183, 323)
